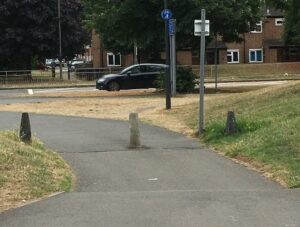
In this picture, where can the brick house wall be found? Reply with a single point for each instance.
(96, 50)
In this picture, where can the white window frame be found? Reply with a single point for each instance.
(279, 21)
(114, 59)
(255, 50)
(230, 53)
(259, 24)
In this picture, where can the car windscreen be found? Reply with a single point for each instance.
(124, 71)
(131, 69)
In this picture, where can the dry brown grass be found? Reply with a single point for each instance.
(149, 104)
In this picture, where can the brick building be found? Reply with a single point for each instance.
(262, 45)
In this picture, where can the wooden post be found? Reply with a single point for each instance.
(230, 124)
(25, 129)
(134, 131)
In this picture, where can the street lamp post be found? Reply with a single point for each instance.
(59, 37)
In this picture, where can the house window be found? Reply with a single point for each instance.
(113, 59)
(257, 28)
(255, 55)
(233, 56)
(279, 21)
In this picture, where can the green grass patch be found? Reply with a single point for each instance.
(268, 122)
(30, 171)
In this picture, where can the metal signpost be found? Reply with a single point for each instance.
(59, 37)
(166, 14)
(172, 33)
(202, 29)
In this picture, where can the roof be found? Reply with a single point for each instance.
(274, 43)
(277, 44)
(220, 45)
(271, 12)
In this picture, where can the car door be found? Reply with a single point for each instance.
(150, 76)
(131, 79)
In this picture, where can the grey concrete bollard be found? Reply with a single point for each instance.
(134, 131)
(25, 129)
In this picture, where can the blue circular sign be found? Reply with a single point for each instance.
(166, 14)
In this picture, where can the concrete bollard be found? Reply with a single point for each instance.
(25, 129)
(230, 124)
(134, 131)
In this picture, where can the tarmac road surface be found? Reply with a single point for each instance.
(172, 182)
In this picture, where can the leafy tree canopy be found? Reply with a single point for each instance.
(29, 29)
(121, 23)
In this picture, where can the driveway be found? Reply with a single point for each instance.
(172, 182)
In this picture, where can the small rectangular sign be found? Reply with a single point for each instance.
(197, 30)
(172, 27)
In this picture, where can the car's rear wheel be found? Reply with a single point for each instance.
(114, 86)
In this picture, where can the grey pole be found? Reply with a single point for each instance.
(173, 58)
(216, 63)
(202, 72)
(135, 51)
(59, 37)
(167, 79)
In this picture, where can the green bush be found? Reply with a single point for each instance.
(185, 80)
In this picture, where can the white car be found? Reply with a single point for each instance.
(76, 62)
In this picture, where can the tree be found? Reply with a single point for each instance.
(292, 23)
(121, 23)
(29, 29)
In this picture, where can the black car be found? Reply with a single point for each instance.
(133, 77)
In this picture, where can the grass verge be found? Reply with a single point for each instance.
(29, 172)
(268, 135)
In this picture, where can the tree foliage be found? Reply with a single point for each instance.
(29, 29)
(292, 22)
(121, 23)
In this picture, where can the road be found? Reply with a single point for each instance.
(16, 92)
(172, 182)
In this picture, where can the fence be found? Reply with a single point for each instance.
(15, 76)
(23, 77)
(90, 74)
(248, 72)
(228, 72)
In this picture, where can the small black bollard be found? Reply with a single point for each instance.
(69, 70)
(230, 124)
(25, 129)
(53, 69)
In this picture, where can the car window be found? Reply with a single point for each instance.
(155, 68)
(135, 69)
(144, 68)
(131, 70)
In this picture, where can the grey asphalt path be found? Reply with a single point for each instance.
(172, 182)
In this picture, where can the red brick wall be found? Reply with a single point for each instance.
(96, 50)
(271, 31)
(257, 41)
(184, 57)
